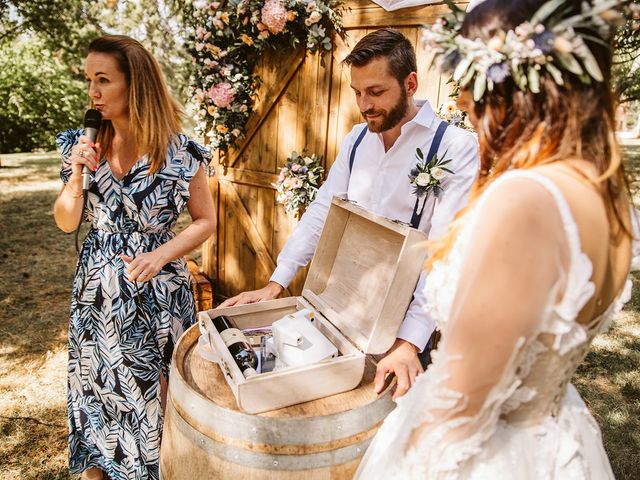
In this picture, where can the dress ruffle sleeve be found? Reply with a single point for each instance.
(185, 162)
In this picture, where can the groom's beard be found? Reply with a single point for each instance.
(388, 120)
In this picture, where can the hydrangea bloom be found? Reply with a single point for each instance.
(222, 95)
(274, 15)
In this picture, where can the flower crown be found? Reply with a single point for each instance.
(547, 42)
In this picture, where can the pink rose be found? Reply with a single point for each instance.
(295, 167)
(221, 94)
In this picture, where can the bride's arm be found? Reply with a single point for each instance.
(511, 275)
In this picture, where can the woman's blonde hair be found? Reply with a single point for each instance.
(521, 129)
(154, 117)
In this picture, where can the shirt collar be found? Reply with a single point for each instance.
(425, 116)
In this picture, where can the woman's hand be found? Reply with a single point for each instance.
(144, 266)
(85, 152)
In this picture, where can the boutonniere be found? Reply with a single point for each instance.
(427, 175)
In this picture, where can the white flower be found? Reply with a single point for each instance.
(495, 43)
(308, 160)
(315, 17)
(423, 179)
(437, 173)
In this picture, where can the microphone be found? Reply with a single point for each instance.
(92, 121)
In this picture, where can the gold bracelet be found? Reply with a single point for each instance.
(73, 194)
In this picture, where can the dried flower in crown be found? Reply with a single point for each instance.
(552, 41)
(451, 114)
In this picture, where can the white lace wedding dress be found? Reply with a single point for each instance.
(496, 402)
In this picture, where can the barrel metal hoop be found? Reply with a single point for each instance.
(196, 409)
(265, 461)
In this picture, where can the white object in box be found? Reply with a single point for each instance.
(360, 284)
(297, 342)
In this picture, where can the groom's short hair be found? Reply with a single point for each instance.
(388, 43)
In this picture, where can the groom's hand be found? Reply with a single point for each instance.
(401, 359)
(270, 292)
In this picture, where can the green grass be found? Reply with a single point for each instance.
(36, 269)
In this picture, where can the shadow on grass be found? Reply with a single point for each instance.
(37, 261)
(31, 451)
(609, 382)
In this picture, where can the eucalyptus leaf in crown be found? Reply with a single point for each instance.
(553, 40)
(226, 42)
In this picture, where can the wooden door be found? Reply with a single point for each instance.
(304, 101)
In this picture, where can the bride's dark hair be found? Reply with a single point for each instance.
(521, 129)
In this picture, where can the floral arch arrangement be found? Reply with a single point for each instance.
(227, 41)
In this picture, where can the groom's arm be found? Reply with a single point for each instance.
(417, 327)
(301, 245)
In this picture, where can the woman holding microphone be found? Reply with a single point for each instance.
(131, 295)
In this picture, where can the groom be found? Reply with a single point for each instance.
(372, 168)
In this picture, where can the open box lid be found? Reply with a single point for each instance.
(363, 274)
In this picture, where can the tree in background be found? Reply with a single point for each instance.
(42, 49)
(626, 71)
(39, 96)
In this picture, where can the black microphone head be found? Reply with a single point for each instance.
(92, 119)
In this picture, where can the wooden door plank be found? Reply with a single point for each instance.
(210, 246)
(244, 219)
(269, 97)
(249, 177)
(366, 14)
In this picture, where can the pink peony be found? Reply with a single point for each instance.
(221, 94)
(274, 15)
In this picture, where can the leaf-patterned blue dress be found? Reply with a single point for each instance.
(121, 335)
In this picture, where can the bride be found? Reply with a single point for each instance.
(535, 267)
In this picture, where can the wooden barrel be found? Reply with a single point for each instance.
(206, 436)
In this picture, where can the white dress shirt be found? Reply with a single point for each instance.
(380, 183)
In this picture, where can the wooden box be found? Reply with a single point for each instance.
(360, 284)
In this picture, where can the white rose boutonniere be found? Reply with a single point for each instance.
(428, 174)
(423, 179)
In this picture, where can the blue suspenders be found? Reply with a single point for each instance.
(435, 145)
(352, 156)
